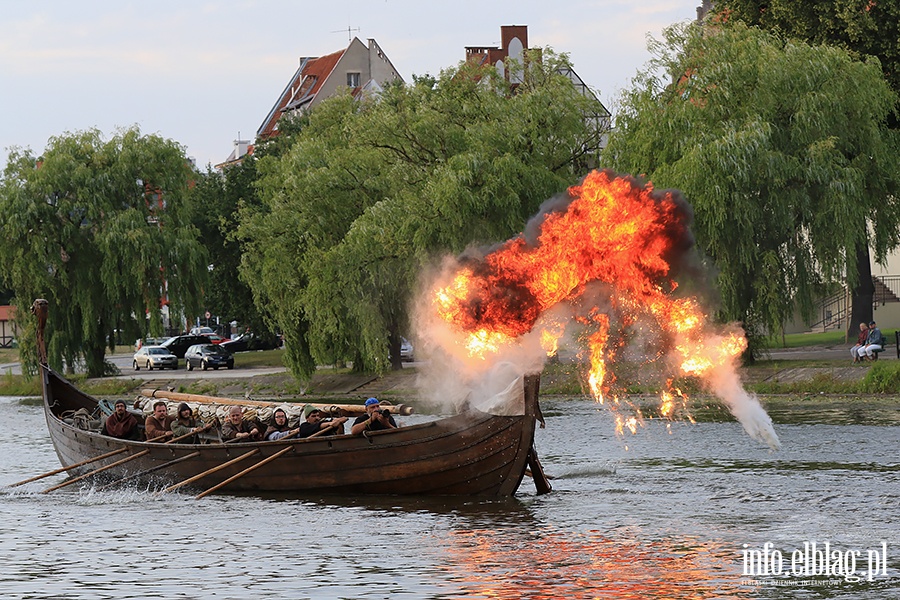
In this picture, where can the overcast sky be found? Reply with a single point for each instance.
(204, 72)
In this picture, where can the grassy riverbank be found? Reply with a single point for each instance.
(798, 378)
(803, 377)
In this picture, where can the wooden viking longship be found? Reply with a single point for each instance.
(473, 453)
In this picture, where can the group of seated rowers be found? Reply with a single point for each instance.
(159, 426)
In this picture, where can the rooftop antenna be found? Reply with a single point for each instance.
(348, 30)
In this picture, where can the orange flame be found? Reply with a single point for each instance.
(610, 231)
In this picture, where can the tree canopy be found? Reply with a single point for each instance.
(370, 191)
(217, 198)
(781, 147)
(101, 230)
(864, 28)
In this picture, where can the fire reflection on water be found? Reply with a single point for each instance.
(557, 564)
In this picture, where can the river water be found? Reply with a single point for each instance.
(675, 511)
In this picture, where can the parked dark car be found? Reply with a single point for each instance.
(179, 344)
(208, 356)
(238, 344)
(248, 341)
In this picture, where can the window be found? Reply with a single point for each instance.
(353, 80)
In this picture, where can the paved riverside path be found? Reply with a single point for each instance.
(841, 367)
(769, 368)
(823, 353)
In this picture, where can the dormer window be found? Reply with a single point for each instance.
(353, 80)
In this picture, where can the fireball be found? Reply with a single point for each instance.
(614, 234)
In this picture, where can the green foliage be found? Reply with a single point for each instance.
(559, 378)
(203, 387)
(369, 192)
(24, 385)
(783, 152)
(882, 378)
(261, 358)
(101, 230)
(110, 387)
(218, 198)
(863, 27)
(19, 385)
(799, 340)
(821, 383)
(866, 30)
(9, 355)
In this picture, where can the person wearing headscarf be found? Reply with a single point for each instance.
(185, 423)
(860, 341)
(279, 427)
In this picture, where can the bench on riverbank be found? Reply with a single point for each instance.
(886, 345)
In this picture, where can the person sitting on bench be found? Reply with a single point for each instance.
(860, 341)
(874, 343)
(315, 423)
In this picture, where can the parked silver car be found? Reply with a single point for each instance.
(202, 331)
(406, 350)
(154, 357)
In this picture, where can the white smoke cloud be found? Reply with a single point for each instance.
(725, 383)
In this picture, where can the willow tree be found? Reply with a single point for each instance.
(781, 147)
(221, 194)
(865, 28)
(101, 230)
(370, 191)
(862, 27)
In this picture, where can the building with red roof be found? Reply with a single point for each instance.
(360, 67)
(364, 68)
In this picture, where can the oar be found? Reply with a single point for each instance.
(70, 467)
(96, 458)
(264, 461)
(111, 465)
(95, 471)
(211, 471)
(322, 431)
(165, 464)
(257, 465)
(187, 435)
(174, 461)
